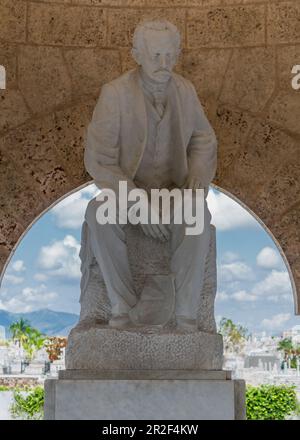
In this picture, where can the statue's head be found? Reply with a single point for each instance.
(156, 47)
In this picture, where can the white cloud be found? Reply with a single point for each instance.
(285, 297)
(237, 270)
(61, 258)
(276, 284)
(69, 213)
(222, 296)
(18, 266)
(90, 191)
(12, 279)
(268, 258)
(274, 287)
(276, 321)
(228, 214)
(40, 276)
(33, 294)
(12, 276)
(242, 295)
(29, 299)
(229, 257)
(233, 286)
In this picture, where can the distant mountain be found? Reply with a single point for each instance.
(46, 321)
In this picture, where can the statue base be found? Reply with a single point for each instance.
(99, 347)
(144, 395)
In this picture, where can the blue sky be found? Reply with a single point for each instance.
(254, 288)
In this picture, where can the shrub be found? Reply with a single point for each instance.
(271, 402)
(4, 388)
(28, 405)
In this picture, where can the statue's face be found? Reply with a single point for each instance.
(159, 55)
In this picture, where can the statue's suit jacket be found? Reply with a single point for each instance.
(117, 135)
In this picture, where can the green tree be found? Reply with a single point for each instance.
(29, 338)
(34, 342)
(18, 330)
(295, 353)
(285, 346)
(290, 351)
(234, 336)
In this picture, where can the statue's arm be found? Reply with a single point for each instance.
(101, 155)
(202, 148)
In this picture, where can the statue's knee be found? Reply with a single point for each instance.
(92, 216)
(207, 215)
(196, 211)
(91, 211)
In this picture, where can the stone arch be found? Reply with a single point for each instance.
(74, 190)
(58, 54)
(277, 243)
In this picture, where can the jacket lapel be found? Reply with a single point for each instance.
(139, 117)
(179, 168)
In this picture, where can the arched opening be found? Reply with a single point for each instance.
(253, 270)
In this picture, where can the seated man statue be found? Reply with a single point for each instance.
(149, 130)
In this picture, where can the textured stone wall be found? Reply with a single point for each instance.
(238, 53)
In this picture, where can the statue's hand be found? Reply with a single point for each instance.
(158, 231)
(192, 182)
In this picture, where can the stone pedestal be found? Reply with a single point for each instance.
(144, 395)
(102, 348)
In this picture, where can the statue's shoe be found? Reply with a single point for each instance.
(120, 321)
(185, 323)
(156, 303)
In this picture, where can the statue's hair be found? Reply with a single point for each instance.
(157, 25)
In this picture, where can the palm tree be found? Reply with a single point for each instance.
(290, 351)
(18, 330)
(29, 338)
(297, 355)
(34, 342)
(234, 335)
(286, 346)
(297, 350)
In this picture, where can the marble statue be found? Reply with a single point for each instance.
(149, 130)
(146, 345)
